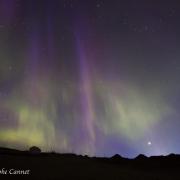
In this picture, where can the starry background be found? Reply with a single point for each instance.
(92, 77)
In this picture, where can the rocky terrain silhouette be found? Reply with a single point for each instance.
(34, 164)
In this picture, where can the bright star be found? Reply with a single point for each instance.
(149, 143)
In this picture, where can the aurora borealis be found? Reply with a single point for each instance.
(92, 77)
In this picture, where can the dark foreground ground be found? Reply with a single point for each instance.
(68, 166)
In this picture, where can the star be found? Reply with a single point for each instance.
(149, 143)
(2, 26)
(10, 68)
(98, 5)
(146, 28)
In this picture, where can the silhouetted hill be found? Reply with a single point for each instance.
(141, 157)
(8, 151)
(71, 166)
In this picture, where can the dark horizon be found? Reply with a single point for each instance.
(32, 164)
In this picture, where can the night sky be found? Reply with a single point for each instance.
(95, 77)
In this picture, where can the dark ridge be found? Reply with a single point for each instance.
(70, 166)
(4, 150)
(141, 157)
(116, 156)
